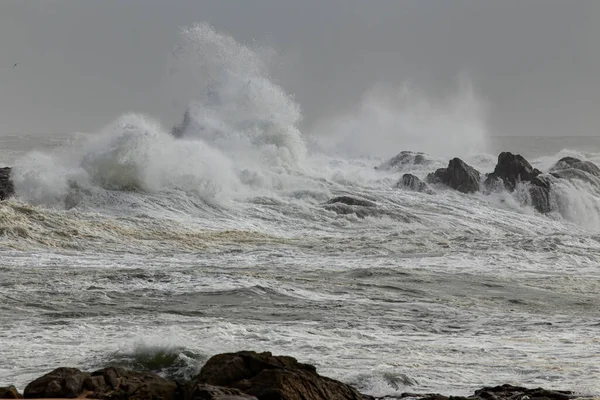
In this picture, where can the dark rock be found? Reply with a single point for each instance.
(539, 190)
(458, 175)
(513, 168)
(7, 188)
(60, 383)
(405, 158)
(209, 392)
(271, 377)
(493, 183)
(117, 383)
(577, 164)
(351, 201)
(411, 182)
(9, 392)
(506, 392)
(179, 130)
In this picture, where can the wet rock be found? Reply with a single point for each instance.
(411, 182)
(271, 377)
(513, 168)
(209, 392)
(9, 392)
(403, 159)
(539, 190)
(7, 188)
(117, 383)
(575, 163)
(504, 392)
(516, 392)
(458, 175)
(60, 383)
(493, 183)
(351, 201)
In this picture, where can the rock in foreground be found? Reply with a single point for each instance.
(504, 392)
(245, 375)
(271, 377)
(9, 392)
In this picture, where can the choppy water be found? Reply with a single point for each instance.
(129, 246)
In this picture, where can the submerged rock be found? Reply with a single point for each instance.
(539, 190)
(513, 168)
(404, 158)
(273, 377)
(7, 188)
(458, 175)
(575, 163)
(351, 201)
(411, 182)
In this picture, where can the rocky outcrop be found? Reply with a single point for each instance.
(245, 375)
(60, 383)
(411, 182)
(271, 377)
(458, 175)
(504, 392)
(513, 168)
(117, 383)
(109, 383)
(403, 159)
(575, 163)
(539, 190)
(6, 185)
(9, 392)
(208, 392)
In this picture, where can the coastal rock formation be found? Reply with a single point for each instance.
(245, 375)
(109, 383)
(458, 175)
(539, 190)
(9, 392)
(209, 392)
(273, 377)
(60, 383)
(504, 392)
(411, 182)
(403, 159)
(513, 168)
(575, 163)
(6, 185)
(351, 201)
(117, 383)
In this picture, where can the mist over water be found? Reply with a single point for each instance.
(154, 246)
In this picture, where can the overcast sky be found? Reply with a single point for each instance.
(81, 63)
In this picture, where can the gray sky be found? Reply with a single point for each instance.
(84, 62)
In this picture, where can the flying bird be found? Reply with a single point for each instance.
(15, 65)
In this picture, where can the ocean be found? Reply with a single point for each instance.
(133, 247)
